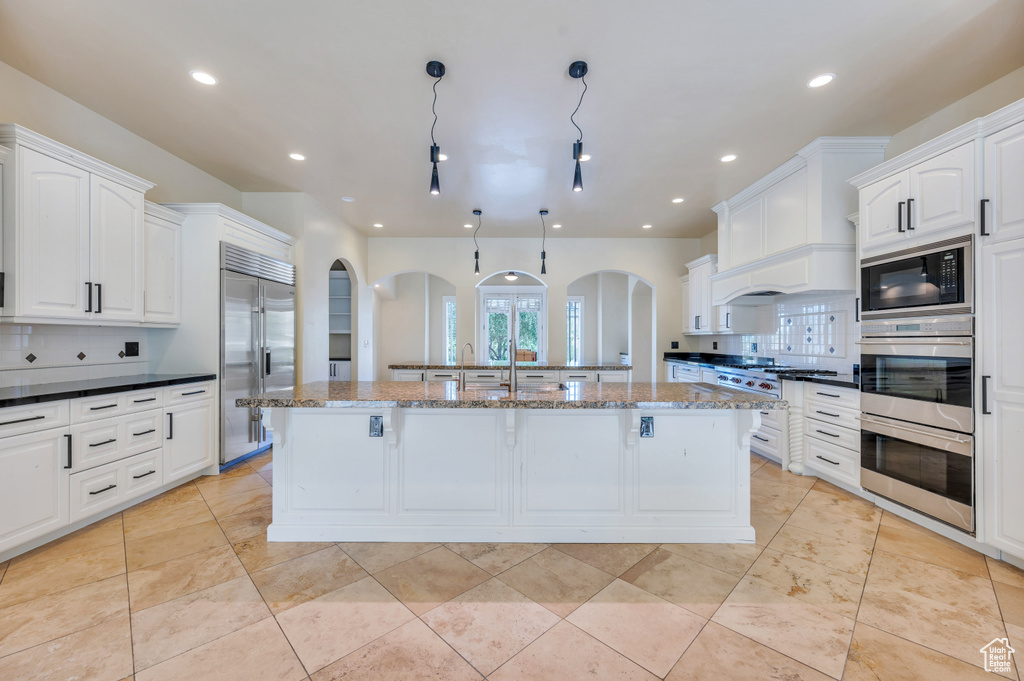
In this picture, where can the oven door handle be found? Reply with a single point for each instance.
(867, 419)
(911, 341)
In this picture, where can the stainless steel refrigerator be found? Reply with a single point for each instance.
(257, 332)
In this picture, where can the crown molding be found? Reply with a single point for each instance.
(703, 260)
(845, 144)
(12, 133)
(219, 209)
(164, 213)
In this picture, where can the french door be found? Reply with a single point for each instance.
(496, 327)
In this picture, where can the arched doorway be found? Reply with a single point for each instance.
(511, 302)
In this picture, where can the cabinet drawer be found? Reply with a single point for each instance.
(85, 409)
(486, 376)
(527, 376)
(766, 441)
(143, 472)
(826, 432)
(143, 432)
(826, 394)
(108, 485)
(687, 373)
(832, 461)
(30, 418)
(97, 443)
(771, 419)
(590, 376)
(141, 400)
(833, 415)
(613, 376)
(179, 394)
(443, 375)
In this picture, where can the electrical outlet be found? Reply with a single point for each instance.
(714, 345)
(131, 349)
(753, 347)
(675, 345)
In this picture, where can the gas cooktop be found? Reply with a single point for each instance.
(779, 370)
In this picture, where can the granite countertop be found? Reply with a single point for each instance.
(839, 381)
(579, 395)
(90, 387)
(521, 365)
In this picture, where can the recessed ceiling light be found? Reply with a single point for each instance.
(585, 157)
(556, 226)
(728, 158)
(823, 79)
(442, 157)
(347, 199)
(468, 226)
(647, 226)
(297, 157)
(377, 225)
(376, 285)
(203, 77)
(677, 200)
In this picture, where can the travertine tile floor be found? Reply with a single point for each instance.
(186, 587)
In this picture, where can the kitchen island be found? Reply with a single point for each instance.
(579, 462)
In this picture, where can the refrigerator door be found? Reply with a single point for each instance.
(240, 363)
(278, 361)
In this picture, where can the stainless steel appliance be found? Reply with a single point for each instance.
(927, 469)
(919, 370)
(926, 281)
(257, 334)
(765, 379)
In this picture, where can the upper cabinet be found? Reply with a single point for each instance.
(700, 316)
(1002, 206)
(72, 235)
(162, 265)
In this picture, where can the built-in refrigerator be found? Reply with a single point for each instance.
(257, 308)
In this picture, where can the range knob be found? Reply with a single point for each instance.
(736, 380)
(750, 383)
(766, 386)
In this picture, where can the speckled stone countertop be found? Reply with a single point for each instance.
(578, 395)
(521, 365)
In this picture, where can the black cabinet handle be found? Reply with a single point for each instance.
(88, 289)
(899, 216)
(856, 311)
(830, 395)
(105, 406)
(834, 463)
(696, 323)
(105, 489)
(148, 399)
(196, 392)
(31, 418)
(99, 298)
(910, 215)
(818, 430)
(68, 436)
(268, 363)
(136, 477)
(145, 432)
(105, 442)
(758, 437)
(984, 395)
(982, 210)
(727, 320)
(835, 416)
(170, 426)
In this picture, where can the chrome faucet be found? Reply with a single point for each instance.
(462, 371)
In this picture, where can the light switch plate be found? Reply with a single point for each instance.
(646, 426)
(376, 426)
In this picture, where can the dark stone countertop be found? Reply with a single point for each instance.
(48, 392)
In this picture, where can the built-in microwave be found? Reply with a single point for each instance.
(926, 281)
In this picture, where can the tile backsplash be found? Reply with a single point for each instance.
(48, 353)
(801, 330)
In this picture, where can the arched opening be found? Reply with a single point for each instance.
(511, 304)
(414, 320)
(341, 297)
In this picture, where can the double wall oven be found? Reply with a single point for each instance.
(917, 377)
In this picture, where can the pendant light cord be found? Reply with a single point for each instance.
(479, 223)
(544, 237)
(432, 110)
(572, 116)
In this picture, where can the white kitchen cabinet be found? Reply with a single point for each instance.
(585, 376)
(1000, 413)
(408, 375)
(746, 232)
(190, 434)
(162, 265)
(831, 429)
(699, 315)
(686, 303)
(1002, 204)
(680, 372)
(103, 487)
(339, 370)
(930, 198)
(613, 376)
(33, 485)
(116, 254)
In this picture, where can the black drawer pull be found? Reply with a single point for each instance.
(485, 375)
(106, 406)
(899, 216)
(105, 489)
(830, 395)
(105, 442)
(584, 376)
(817, 430)
(834, 463)
(31, 418)
(981, 209)
(69, 451)
(764, 413)
(910, 212)
(758, 437)
(984, 395)
(170, 426)
(818, 411)
(148, 399)
(442, 375)
(145, 432)
(136, 477)
(194, 392)
(535, 376)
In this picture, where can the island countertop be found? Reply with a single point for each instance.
(536, 366)
(445, 395)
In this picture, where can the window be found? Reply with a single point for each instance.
(448, 305)
(495, 331)
(574, 330)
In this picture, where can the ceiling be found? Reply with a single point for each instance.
(673, 86)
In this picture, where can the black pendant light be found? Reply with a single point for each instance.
(578, 69)
(476, 256)
(435, 69)
(543, 243)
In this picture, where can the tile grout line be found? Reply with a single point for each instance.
(128, 594)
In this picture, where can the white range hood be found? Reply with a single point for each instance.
(814, 268)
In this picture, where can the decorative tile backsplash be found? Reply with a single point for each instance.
(802, 330)
(48, 353)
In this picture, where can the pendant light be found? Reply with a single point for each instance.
(511, 276)
(435, 69)
(578, 69)
(543, 243)
(476, 256)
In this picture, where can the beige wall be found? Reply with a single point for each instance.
(993, 96)
(37, 107)
(709, 243)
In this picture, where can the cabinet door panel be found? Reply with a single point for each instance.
(1004, 177)
(189, 434)
(746, 226)
(785, 214)
(116, 245)
(943, 192)
(881, 216)
(33, 486)
(53, 254)
(162, 248)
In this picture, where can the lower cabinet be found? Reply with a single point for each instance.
(106, 486)
(189, 439)
(831, 428)
(33, 485)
